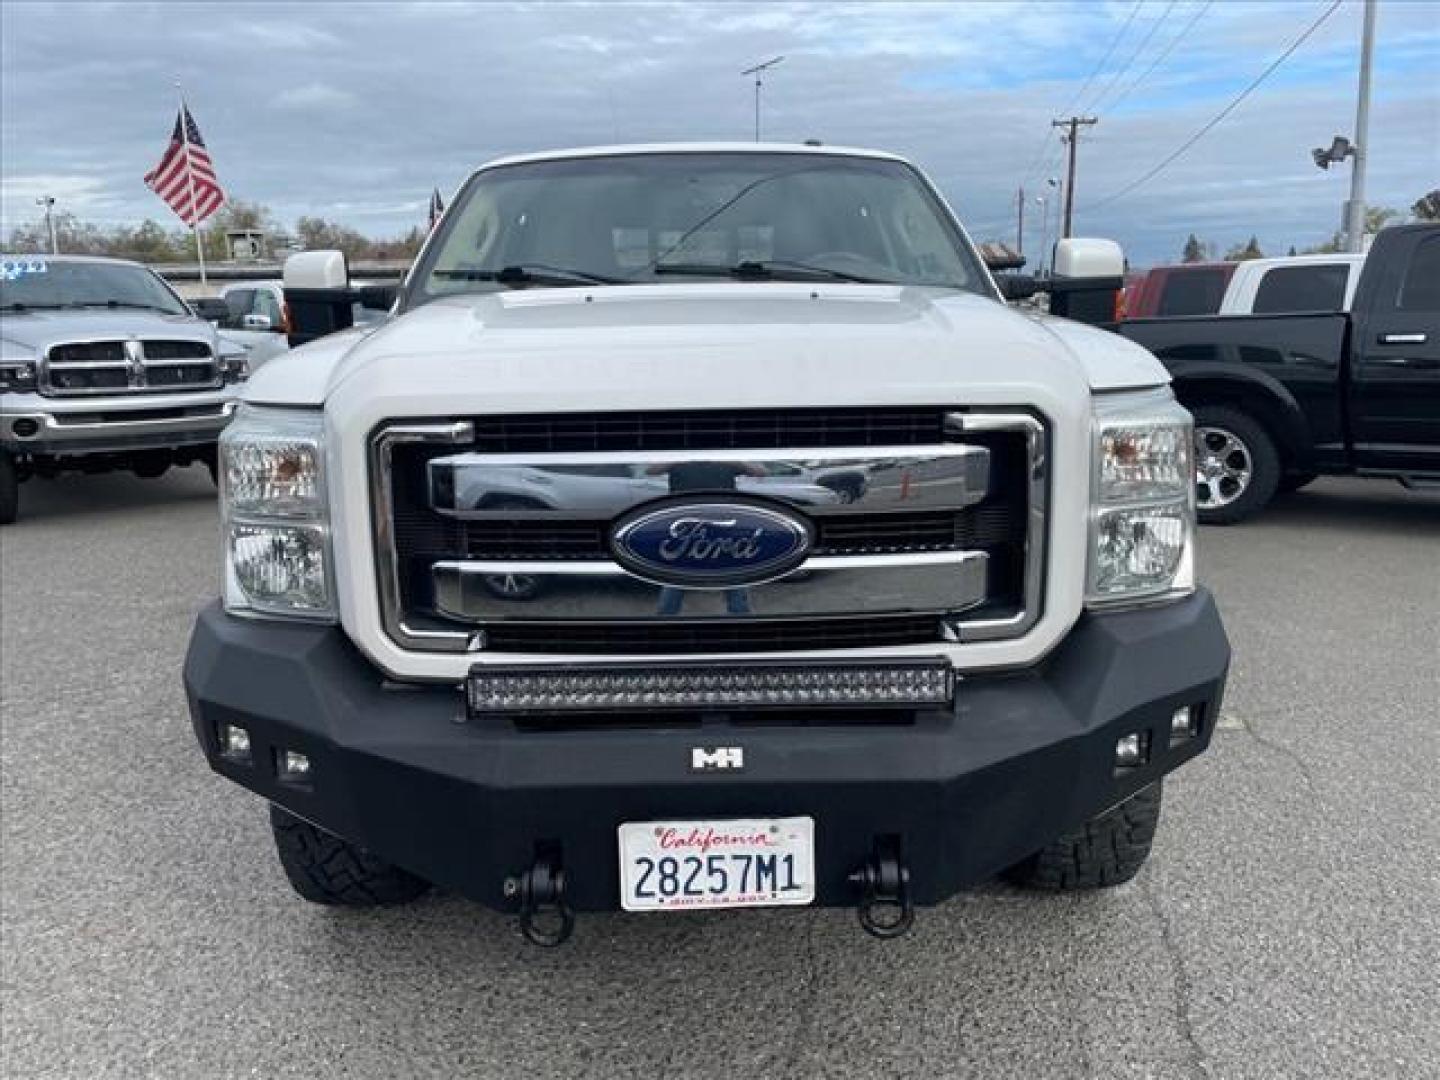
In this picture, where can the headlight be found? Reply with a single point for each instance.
(18, 375)
(276, 516)
(1142, 499)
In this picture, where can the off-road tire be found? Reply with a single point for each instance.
(1107, 850)
(1264, 460)
(326, 870)
(9, 490)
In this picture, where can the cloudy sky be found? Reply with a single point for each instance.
(355, 111)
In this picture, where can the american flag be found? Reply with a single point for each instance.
(185, 177)
(436, 207)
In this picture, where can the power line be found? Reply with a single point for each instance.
(1045, 142)
(1155, 25)
(1106, 58)
(1184, 32)
(1335, 4)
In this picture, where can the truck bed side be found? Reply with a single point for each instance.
(1287, 370)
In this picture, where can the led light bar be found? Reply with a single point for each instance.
(610, 687)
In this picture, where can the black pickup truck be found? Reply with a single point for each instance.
(1281, 399)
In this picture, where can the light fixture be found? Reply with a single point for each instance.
(1132, 751)
(235, 742)
(1183, 725)
(711, 686)
(293, 766)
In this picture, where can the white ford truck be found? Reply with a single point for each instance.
(983, 659)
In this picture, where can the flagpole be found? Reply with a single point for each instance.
(190, 182)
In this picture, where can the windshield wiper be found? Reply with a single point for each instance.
(112, 304)
(529, 274)
(766, 270)
(19, 305)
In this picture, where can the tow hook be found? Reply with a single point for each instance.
(545, 919)
(884, 884)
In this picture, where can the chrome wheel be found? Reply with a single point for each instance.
(1224, 467)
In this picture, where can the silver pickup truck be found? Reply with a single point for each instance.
(103, 366)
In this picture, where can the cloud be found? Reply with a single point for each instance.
(314, 97)
(393, 101)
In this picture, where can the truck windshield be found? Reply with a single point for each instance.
(633, 218)
(35, 282)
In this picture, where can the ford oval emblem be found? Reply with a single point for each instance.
(710, 543)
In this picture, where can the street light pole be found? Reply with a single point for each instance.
(48, 202)
(1020, 221)
(1044, 205)
(758, 70)
(1355, 208)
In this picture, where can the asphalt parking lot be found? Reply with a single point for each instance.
(1287, 925)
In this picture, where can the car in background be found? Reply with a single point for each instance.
(255, 318)
(1185, 289)
(1281, 398)
(1293, 283)
(103, 366)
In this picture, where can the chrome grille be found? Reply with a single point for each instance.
(80, 368)
(739, 429)
(455, 571)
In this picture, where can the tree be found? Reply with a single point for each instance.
(1377, 217)
(1196, 250)
(1427, 207)
(1291, 252)
(1242, 252)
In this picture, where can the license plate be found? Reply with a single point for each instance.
(687, 865)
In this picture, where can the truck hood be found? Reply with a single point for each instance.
(706, 345)
(25, 332)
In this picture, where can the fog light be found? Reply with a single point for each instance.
(1182, 724)
(1132, 751)
(294, 766)
(234, 742)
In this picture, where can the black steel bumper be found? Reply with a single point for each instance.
(465, 803)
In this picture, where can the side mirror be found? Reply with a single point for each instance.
(317, 270)
(1017, 286)
(1086, 280)
(318, 294)
(256, 322)
(1089, 259)
(210, 308)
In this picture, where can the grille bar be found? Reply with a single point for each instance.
(710, 430)
(81, 368)
(862, 534)
(700, 637)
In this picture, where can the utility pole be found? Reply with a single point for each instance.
(1074, 123)
(48, 202)
(1355, 208)
(1020, 221)
(758, 70)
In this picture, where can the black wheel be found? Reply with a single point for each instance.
(326, 870)
(9, 490)
(1295, 481)
(1107, 850)
(1237, 468)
